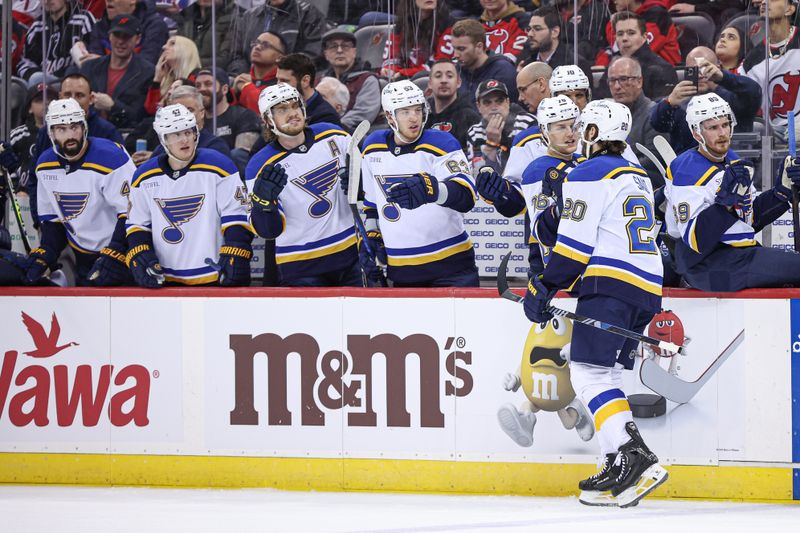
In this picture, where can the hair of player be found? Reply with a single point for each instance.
(300, 65)
(612, 147)
(185, 91)
(470, 28)
(550, 15)
(627, 15)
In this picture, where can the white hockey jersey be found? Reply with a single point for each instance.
(318, 233)
(607, 233)
(187, 211)
(428, 242)
(87, 196)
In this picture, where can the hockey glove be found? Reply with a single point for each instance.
(789, 173)
(144, 265)
(37, 264)
(372, 265)
(537, 300)
(109, 269)
(735, 184)
(552, 183)
(491, 186)
(268, 186)
(413, 192)
(8, 158)
(234, 263)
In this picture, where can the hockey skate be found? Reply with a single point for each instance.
(637, 470)
(596, 489)
(517, 425)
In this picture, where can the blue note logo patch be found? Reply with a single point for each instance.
(71, 205)
(390, 211)
(317, 184)
(178, 211)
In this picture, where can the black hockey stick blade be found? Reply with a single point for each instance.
(502, 282)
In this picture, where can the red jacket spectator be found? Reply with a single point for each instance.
(18, 30)
(506, 28)
(662, 36)
(249, 95)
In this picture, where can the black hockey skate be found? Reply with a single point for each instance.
(596, 489)
(637, 470)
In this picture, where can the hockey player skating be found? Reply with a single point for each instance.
(188, 217)
(297, 198)
(606, 236)
(416, 186)
(83, 183)
(713, 213)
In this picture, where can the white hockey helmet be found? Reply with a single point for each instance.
(707, 106)
(555, 109)
(174, 119)
(400, 94)
(61, 112)
(612, 120)
(274, 95)
(569, 78)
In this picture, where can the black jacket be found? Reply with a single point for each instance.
(154, 34)
(130, 92)
(658, 76)
(498, 68)
(454, 119)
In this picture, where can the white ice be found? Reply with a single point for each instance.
(63, 509)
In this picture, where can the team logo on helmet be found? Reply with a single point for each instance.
(178, 211)
(71, 205)
(318, 183)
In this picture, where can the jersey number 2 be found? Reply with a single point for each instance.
(640, 225)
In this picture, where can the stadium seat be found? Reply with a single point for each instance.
(16, 101)
(370, 42)
(322, 5)
(694, 30)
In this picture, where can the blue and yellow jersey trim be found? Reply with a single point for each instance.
(431, 149)
(327, 133)
(97, 168)
(210, 168)
(374, 148)
(145, 175)
(739, 240)
(466, 182)
(572, 249)
(625, 272)
(314, 250)
(421, 255)
(48, 164)
(607, 404)
(191, 276)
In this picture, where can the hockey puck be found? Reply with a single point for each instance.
(647, 405)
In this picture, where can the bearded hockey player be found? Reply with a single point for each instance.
(83, 183)
(296, 196)
(416, 187)
(606, 236)
(188, 217)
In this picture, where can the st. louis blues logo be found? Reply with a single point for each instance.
(390, 211)
(319, 183)
(71, 204)
(178, 211)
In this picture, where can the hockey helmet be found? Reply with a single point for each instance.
(401, 94)
(569, 78)
(612, 120)
(555, 109)
(62, 112)
(708, 106)
(274, 95)
(173, 119)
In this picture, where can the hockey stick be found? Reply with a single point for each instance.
(675, 389)
(505, 292)
(664, 149)
(652, 157)
(795, 191)
(17, 210)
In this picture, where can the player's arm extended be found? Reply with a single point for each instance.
(769, 206)
(700, 220)
(457, 190)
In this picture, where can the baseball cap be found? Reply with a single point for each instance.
(491, 86)
(38, 90)
(339, 32)
(219, 74)
(127, 24)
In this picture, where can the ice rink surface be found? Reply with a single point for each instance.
(32, 509)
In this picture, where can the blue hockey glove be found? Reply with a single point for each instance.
(491, 185)
(234, 264)
(268, 186)
(735, 185)
(109, 269)
(144, 265)
(37, 264)
(8, 158)
(537, 300)
(552, 182)
(413, 192)
(371, 264)
(789, 173)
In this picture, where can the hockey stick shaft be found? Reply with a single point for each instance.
(505, 292)
(664, 149)
(652, 157)
(17, 210)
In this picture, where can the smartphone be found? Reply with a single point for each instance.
(692, 74)
(141, 145)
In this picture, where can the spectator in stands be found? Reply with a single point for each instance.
(120, 80)
(719, 10)
(299, 23)
(658, 76)
(731, 48)
(477, 65)
(544, 41)
(23, 138)
(65, 24)
(784, 44)
(450, 111)
(179, 58)
(592, 18)
(298, 71)
(489, 141)
(239, 127)
(18, 31)
(194, 23)
(662, 36)
(364, 89)
(505, 24)
(335, 93)
(533, 85)
(742, 93)
(422, 35)
(625, 83)
(266, 50)
(153, 30)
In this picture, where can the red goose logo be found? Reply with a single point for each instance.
(45, 344)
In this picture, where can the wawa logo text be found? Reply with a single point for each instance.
(84, 391)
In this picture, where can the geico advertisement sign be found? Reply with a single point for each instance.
(64, 376)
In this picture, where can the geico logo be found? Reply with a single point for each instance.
(481, 209)
(490, 269)
(511, 233)
(497, 221)
(481, 233)
(484, 257)
(782, 223)
(520, 270)
(503, 245)
(472, 221)
(521, 246)
(517, 257)
(519, 222)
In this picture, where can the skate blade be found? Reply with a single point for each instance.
(596, 498)
(509, 423)
(648, 482)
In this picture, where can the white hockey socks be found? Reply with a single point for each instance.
(600, 389)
